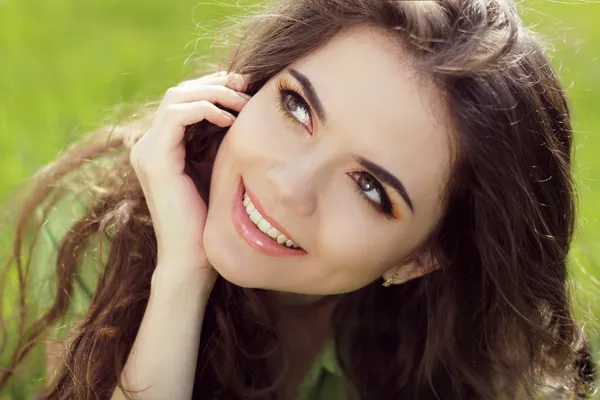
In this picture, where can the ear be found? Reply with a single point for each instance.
(416, 267)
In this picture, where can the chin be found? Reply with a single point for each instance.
(227, 261)
(238, 271)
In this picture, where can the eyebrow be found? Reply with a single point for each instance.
(387, 177)
(310, 92)
(377, 170)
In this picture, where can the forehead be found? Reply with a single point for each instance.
(383, 109)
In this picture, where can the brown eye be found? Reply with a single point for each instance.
(297, 108)
(291, 103)
(371, 190)
(369, 186)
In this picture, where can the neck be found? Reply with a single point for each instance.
(297, 299)
(300, 301)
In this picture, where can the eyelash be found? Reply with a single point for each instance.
(286, 88)
(386, 207)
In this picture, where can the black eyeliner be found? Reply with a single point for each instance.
(284, 89)
(386, 207)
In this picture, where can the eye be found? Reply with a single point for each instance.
(292, 105)
(295, 105)
(368, 185)
(370, 190)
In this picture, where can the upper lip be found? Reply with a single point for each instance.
(266, 216)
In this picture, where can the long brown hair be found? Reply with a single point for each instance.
(495, 317)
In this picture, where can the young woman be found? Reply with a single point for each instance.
(253, 217)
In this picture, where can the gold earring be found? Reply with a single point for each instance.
(388, 282)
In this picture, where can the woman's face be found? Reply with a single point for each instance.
(348, 151)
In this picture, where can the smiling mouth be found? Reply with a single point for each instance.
(258, 232)
(265, 226)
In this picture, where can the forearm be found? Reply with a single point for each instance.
(163, 358)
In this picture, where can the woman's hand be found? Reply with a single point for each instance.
(158, 158)
(162, 361)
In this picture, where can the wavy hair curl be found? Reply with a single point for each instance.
(496, 317)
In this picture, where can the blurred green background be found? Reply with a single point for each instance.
(70, 66)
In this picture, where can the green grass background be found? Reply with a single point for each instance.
(66, 66)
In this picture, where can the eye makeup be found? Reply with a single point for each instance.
(292, 104)
(296, 109)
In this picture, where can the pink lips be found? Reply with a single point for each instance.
(252, 235)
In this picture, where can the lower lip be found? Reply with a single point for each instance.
(252, 235)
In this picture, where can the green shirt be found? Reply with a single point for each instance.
(324, 380)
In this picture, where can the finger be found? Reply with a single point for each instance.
(215, 94)
(169, 131)
(161, 152)
(218, 78)
(233, 81)
(204, 78)
(213, 75)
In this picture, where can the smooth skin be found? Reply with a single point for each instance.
(183, 278)
(302, 168)
(376, 108)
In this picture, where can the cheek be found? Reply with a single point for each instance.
(261, 132)
(355, 244)
(254, 125)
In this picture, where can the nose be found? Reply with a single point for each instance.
(294, 186)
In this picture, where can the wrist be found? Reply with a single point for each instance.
(168, 277)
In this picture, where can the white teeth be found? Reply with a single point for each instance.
(255, 216)
(264, 225)
(281, 239)
(273, 232)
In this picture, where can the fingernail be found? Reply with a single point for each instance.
(228, 115)
(244, 95)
